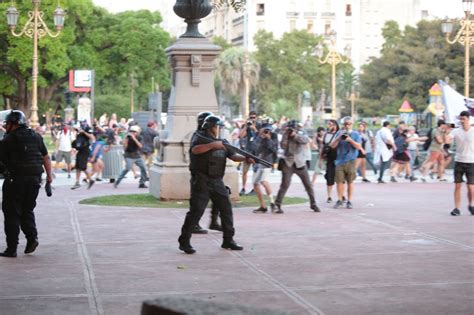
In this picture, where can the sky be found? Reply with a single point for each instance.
(439, 8)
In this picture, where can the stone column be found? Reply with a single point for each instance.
(192, 61)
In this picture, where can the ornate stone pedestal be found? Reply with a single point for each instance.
(192, 60)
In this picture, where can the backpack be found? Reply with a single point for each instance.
(427, 143)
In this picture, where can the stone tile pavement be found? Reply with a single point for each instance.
(397, 252)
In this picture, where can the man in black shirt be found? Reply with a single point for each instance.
(24, 154)
(82, 146)
(209, 155)
(132, 145)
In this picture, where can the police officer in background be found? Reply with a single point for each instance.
(214, 225)
(207, 183)
(24, 154)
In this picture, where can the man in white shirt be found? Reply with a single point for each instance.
(384, 148)
(65, 137)
(464, 162)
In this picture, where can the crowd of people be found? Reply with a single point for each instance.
(345, 151)
(114, 148)
(111, 148)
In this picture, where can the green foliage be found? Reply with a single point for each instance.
(410, 64)
(230, 72)
(289, 67)
(123, 49)
(282, 108)
(109, 104)
(221, 41)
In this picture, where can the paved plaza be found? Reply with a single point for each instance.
(397, 252)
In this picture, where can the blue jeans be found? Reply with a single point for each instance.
(412, 160)
(128, 166)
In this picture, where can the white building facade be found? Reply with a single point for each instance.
(357, 23)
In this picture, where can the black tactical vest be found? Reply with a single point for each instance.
(211, 163)
(25, 159)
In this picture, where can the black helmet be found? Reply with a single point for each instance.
(211, 121)
(201, 117)
(16, 117)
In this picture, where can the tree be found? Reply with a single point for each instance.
(114, 45)
(231, 70)
(408, 68)
(289, 67)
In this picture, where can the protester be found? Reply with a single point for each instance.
(82, 146)
(348, 144)
(132, 145)
(266, 147)
(294, 144)
(384, 147)
(64, 141)
(367, 144)
(248, 134)
(330, 154)
(463, 137)
(401, 157)
(148, 135)
(96, 155)
(437, 151)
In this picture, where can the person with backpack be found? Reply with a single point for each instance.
(329, 154)
(437, 151)
(384, 148)
(81, 145)
(401, 157)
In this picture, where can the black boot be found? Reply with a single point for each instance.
(9, 252)
(31, 245)
(215, 226)
(199, 230)
(185, 245)
(231, 244)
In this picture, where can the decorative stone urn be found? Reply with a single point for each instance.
(192, 60)
(192, 11)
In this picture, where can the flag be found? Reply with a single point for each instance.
(454, 103)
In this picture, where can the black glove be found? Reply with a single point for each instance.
(48, 189)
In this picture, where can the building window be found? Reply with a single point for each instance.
(310, 27)
(260, 9)
(327, 28)
(292, 25)
(348, 10)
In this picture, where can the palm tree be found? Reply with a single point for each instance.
(234, 66)
(238, 5)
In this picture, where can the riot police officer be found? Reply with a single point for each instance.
(24, 154)
(209, 154)
(214, 225)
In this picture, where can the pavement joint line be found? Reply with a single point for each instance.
(382, 285)
(378, 222)
(312, 309)
(41, 296)
(95, 303)
(126, 262)
(471, 248)
(290, 294)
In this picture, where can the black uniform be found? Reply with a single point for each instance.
(207, 172)
(22, 152)
(192, 168)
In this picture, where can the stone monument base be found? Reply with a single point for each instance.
(173, 182)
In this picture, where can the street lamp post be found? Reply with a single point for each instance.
(35, 28)
(333, 58)
(465, 36)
